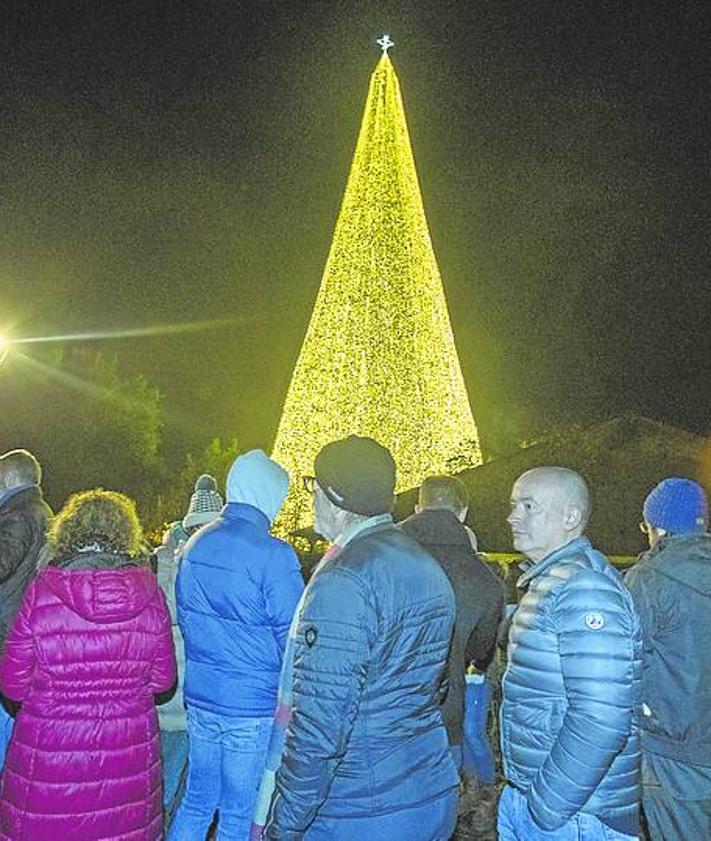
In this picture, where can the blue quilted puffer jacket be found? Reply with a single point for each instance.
(569, 720)
(237, 591)
(366, 735)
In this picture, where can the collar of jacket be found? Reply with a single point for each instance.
(581, 545)
(437, 525)
(8, 494)
(679, 542)
(360, 528)
(243, 511)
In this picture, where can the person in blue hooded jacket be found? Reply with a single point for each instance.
(572, 688)
(237, 590)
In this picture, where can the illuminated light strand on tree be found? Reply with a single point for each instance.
(379, 357)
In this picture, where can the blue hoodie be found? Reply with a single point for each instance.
(237, 591)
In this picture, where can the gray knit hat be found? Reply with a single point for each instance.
(205, 504)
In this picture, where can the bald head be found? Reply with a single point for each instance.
(550, 506)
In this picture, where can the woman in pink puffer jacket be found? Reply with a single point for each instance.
(89, 648)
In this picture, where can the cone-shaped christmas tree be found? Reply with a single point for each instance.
(379, 357)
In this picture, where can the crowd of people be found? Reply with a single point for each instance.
(207, 688)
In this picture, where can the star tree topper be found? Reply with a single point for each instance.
(385, 43)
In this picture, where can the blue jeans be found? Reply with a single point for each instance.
(432, 821)
(226, 760)
(516, 824)
(477, 758)
(174, 755)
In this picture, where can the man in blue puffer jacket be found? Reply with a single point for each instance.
(366, 754)
(571, 692)
(237, 590)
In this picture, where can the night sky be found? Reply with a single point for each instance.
(166, 163)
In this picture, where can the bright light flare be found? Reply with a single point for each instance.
(127, 333)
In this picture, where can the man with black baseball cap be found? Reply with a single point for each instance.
(366, 753)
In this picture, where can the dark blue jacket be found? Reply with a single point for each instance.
(237, 590)
(569, 728)
(671, 587)
(366, 735)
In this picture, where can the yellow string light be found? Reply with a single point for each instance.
(379, 357)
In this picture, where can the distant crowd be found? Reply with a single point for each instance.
(205, 688)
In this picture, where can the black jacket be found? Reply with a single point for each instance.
(671, 588)
(24, 518)
(479, 600)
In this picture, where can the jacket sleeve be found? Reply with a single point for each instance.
(482, 640)
(282, 588)
(596, 628)
(164, 671)
(19, 659)
(330, 666)
(15, 541)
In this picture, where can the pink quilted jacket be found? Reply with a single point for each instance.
(87, 652)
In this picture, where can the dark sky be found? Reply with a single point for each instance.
(170, 162)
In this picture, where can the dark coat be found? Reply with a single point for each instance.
(479, 599)
(671, 588)
(24, 518)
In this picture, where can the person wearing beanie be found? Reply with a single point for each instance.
(671, 588)
(205, 505)
(364, 752)
(237, 589)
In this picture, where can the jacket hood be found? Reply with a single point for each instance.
(255, 479)
(685, 558)
(437, 526)
(103, 596)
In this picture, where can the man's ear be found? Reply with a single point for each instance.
(418, 508)
(573, 517)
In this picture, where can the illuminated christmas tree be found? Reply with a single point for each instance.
(379, 357)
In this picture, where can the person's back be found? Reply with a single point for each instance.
(365, 753)
(205, 504)
(24, 518)
(397, 751)
(89, 649)
(479, 600)
(676, 575)
(237, 590)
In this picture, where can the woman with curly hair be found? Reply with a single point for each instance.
(89, 649)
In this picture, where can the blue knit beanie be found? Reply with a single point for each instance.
(678, 506)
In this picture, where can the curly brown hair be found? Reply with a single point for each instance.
(106, 517)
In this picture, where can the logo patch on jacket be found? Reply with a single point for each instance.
(594, 620)
(310, 635)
